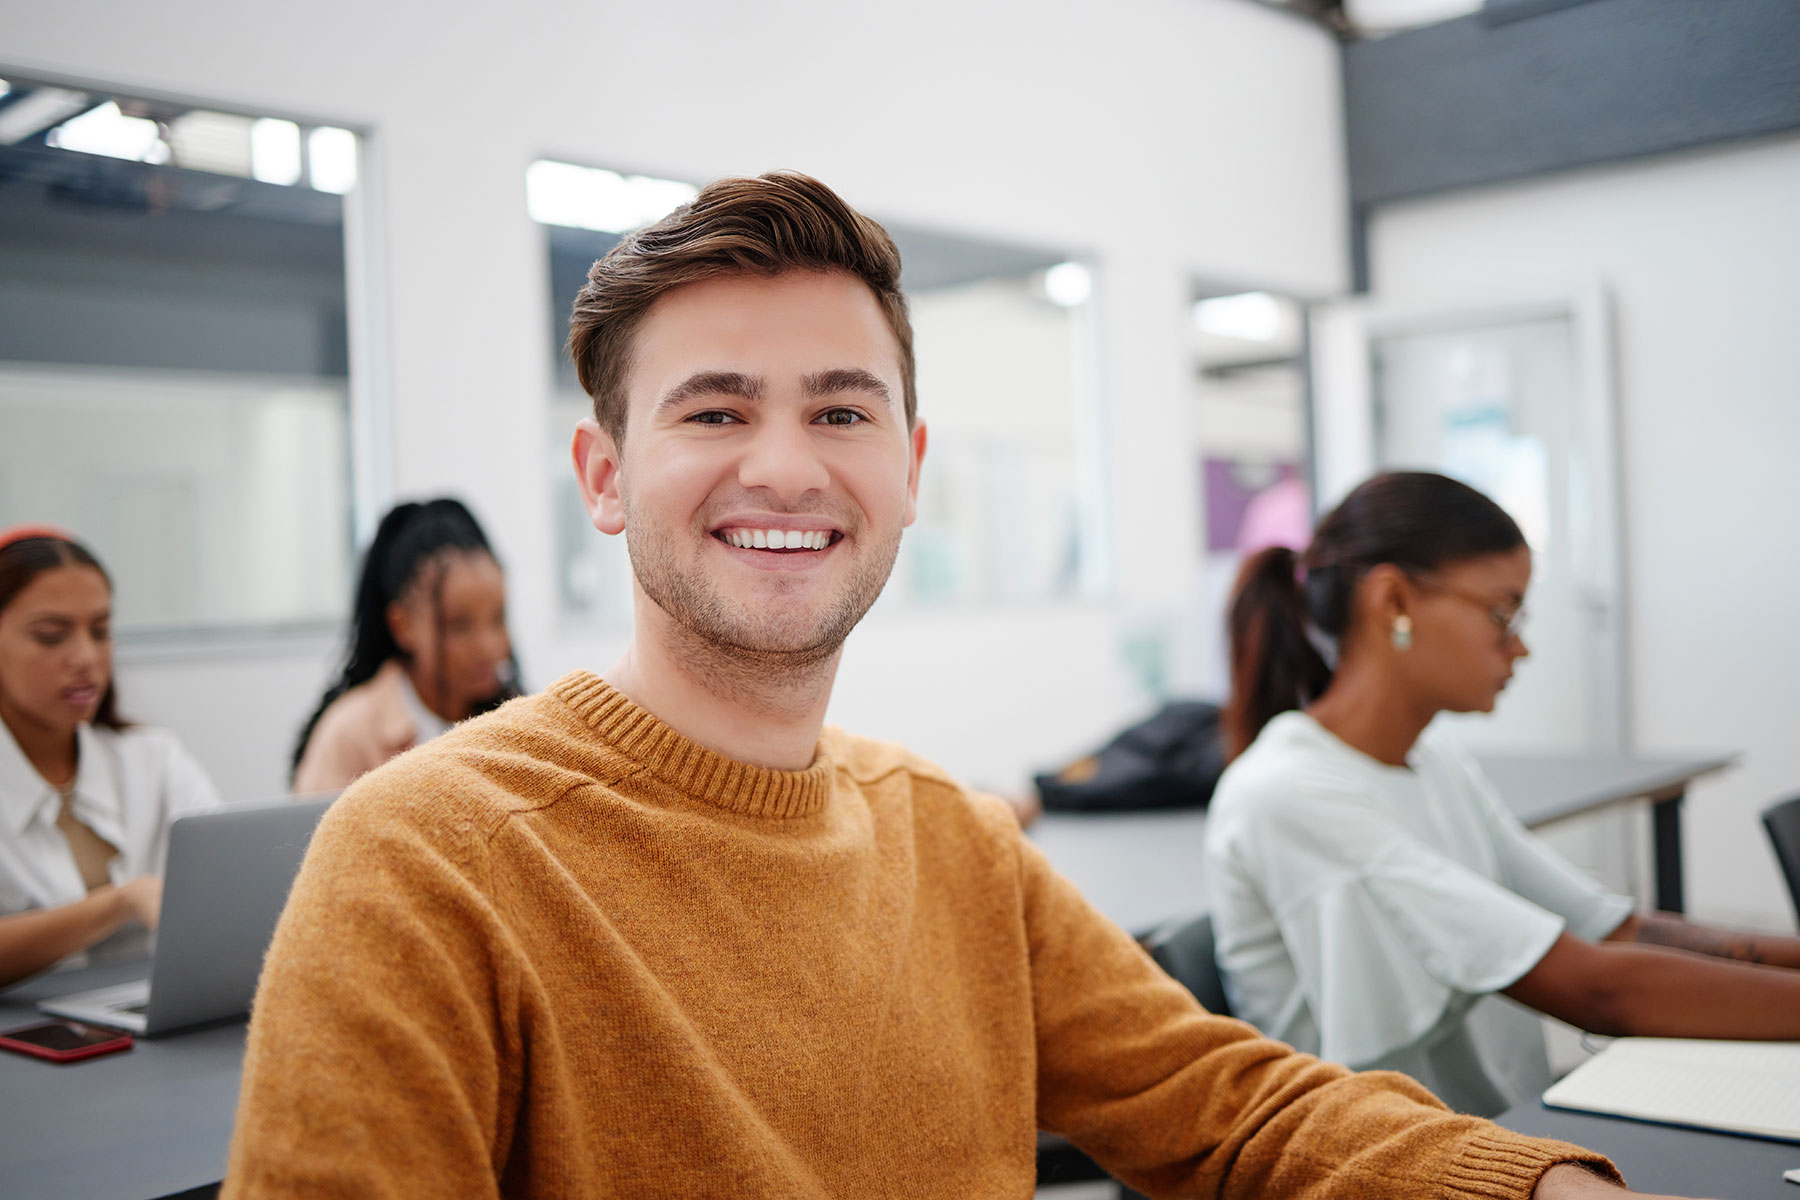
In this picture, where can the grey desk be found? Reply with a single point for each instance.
(151, 1122)
(1676, 1162)
(1143, 868)
(1546, 788)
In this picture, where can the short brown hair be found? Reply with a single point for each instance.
(782, 221)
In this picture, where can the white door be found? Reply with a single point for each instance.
(1514, 398)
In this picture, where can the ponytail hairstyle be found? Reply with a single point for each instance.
(26, 553)
(412, 542)
(1288, 612)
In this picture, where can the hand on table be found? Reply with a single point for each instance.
(1567, 1181)
(143, 897)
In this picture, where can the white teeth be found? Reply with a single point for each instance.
(778, 539)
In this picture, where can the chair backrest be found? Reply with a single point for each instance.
(1782, 820)
(1184, 948)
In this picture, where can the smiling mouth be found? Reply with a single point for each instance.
(786, 540)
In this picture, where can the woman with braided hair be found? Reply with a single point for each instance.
(428, 646)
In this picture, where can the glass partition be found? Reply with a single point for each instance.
(173, 352)
(1251, 452)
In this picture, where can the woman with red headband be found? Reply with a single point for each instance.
(84, 797)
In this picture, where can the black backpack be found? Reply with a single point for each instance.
(1171, 760)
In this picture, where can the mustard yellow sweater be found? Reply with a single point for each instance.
(564, 952)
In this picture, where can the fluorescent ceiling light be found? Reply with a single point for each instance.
(37, 111)
(558, 193)
(1252, 316)
(1068, 284)
(1404, 14)
(105, 130)
(211, 141)
(275, 151)
(331, 159)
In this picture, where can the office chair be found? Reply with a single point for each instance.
(1782, 820)
(1183, 948)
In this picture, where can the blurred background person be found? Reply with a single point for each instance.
(85, 797)
(1369, 886)
(428, 646)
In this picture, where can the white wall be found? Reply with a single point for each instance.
(1701, 257)
(1165, 139)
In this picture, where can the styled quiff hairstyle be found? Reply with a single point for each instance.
(779, 222)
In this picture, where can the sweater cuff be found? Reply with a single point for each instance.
(1497, 1164)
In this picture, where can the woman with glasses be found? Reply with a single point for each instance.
(1370, 892)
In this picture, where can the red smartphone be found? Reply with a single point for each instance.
(63, 1041)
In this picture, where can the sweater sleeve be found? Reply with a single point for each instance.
(382, 1031)
(1178, 1102)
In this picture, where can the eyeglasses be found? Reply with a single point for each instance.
(1509, 620)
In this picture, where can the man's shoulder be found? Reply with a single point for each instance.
(523, 756)
(869, 760)
(876, 767)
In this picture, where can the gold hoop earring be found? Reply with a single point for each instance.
(1401, 635)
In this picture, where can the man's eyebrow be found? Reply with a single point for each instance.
(712, 383)
(844, 379)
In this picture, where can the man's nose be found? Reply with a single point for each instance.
(783, 457)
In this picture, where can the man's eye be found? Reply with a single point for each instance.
(712, 416)
(842, 416)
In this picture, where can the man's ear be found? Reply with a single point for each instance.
(597, 467)
(916, 450)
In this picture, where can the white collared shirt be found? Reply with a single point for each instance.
(1368, 913)
(128, 784)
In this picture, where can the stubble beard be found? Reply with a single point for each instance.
(739, 652)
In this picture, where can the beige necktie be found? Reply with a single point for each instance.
(92, 852)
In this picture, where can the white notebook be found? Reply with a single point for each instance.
(1738, 1087)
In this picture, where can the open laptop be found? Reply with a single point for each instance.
(228, 876)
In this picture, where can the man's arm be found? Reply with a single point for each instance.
(1678, 933)
(382, 1032)
(1565, 1182)
(1177, 1102)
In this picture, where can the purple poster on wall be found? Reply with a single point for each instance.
(1249, 505)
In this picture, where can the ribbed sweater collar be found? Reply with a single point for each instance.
(686, 765)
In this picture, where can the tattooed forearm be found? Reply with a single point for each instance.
(1699, 939)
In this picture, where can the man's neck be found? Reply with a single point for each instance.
(760, 709)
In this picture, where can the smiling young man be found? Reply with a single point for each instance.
(661, 933)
